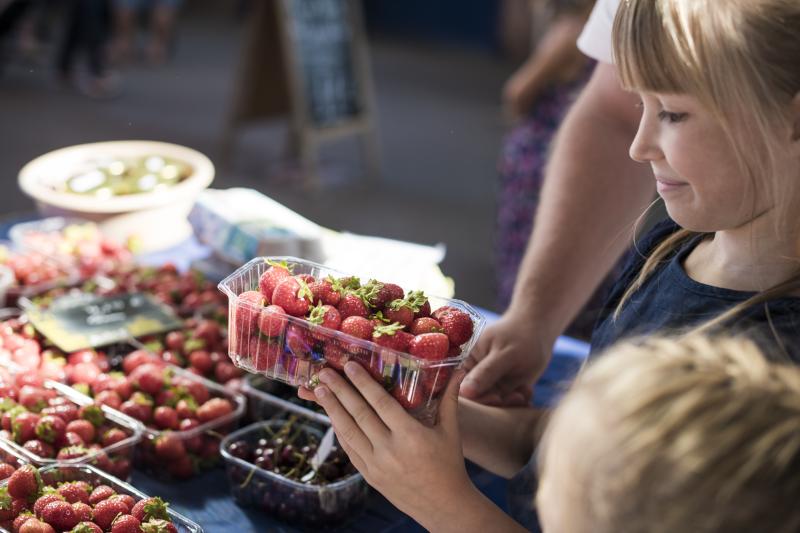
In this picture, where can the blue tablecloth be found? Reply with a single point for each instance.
(207, 500)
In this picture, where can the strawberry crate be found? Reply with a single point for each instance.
(53, 475)
(9, 456)
(293, 493)
(409, 342)
(115, 457)
(181, 454)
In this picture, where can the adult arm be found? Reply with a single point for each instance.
(592, 195)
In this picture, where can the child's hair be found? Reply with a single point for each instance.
(740, 59)
(697, 434)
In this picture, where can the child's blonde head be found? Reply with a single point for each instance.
(696, 435)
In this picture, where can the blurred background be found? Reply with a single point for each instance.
(171, 71)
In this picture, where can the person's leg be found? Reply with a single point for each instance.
(125, 16)
(162, 26)
(71, 40)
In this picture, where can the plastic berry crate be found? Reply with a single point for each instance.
(54, 474)
(296, 503)
(205, 437)
(268, 399)
(296, 355)
(122, 450)
(9, 455)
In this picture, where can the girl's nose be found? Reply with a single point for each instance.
(644, 147)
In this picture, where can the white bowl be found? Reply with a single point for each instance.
(157, 219)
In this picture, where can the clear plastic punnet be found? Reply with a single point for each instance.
(54, 474)
(267, 398)
(294, 350)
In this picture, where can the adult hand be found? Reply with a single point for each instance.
(508, 358)
(419, 469)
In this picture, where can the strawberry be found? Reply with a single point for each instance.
(169, 447)
(82, 511)
(352, 305)
(93, 413)
(149, 378)
(20, 519)
(150, 508)
(158, 526)
(325, 316)
(264, 355)
(430, 346)
(442, 310)
(457, 325)
(398, 311)
(84, 428)
(174, 340)
(434, 380)
(113, 436)
(424, 310)
(40, 448)
(74, 492)
(293, 295)
(392, 336)
(86, 527)
(48, 497)
(33, 398)
(120, 468)
(125, 523)
(100, 493)
(60, 515)
(410, 397)
(127, 499)
(10, 508)
(324, 292)
(136, 358)
(6, 470)
(25, 483)
(213, 409)
(72, 439)
(201, 360)
(24, 427)
(106, 511)
(379, 294)
(272, 321)
(165, 417)
(425, 325)
(299, 341)
(140, 411)
(357, 326)
(248, 308)
(271, 277)
(335, 356)
(198, 391)
(33, 525)
(225, 372)
(72, 452)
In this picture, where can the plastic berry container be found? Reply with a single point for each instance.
(55, 474)
(311, 506)
(106, 458)
(267, 398)
(297, 354)
(202, 440)
(9, 455)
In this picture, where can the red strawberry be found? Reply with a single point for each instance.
(72, 439)
(224, 372)
(74, 492)
(6, 470)
(40, 448)
(213, 409)
(248, 308)
(33, 398)
(272, 321)
(109, 398)
(379, 294)
(201, 360)
(264, 355)
(82, 511)
(25, 483)
(150, 508)
(140, 411)
(106, 511)
(60, 515)
(42, 501)
(293, 295)
(149, 378)
(352, 305)
(430, 346)
(392, 336)
(424, 310)
(299, 341)
(33, 525)
(410, 397)
(93, 413)
(127, 499)
(19, 520)
(435, 379)
(399, 311)
(357, 326)
(113, 436)
(72, 452)
(158, 526)
(165, 417)
(198, 391)
(84, 428)
(276, 273)
(86, 527)
(169, 447)
(10, 508)
(125, 523)
(24, 427)
(457, 325)
(136, 358)
(120, 468)
(100, 493)
(325, 316)
(174, 340)
(425, 325)
(324, 292)
(335, 356)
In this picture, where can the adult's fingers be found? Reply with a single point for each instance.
(387, 408)
(484, 376)
(357, 407)
(346, 428)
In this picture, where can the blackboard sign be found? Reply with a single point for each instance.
(80, 321)
(323, 41)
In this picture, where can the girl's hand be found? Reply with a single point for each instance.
(419, 469)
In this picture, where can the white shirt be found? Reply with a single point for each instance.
(595, 40)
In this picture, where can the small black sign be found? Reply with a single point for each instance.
(82, 321)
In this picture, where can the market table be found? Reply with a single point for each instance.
(207, 500)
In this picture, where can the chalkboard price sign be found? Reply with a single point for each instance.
(323, 42)
(81, 321)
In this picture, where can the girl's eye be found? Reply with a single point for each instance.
(671, 117)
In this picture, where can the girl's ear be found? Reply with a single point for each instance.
(795, 111)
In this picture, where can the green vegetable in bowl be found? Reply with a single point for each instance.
(118, 177)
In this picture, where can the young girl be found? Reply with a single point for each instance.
(720, 127)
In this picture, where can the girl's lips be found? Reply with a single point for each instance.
(666, 185)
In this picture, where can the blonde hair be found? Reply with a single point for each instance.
(698, 435)
(740, 59)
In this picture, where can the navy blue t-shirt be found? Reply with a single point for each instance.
(670, 301)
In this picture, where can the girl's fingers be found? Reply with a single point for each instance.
(358, 409)
(306, 394)
(356, 459)
(350, 435)
(380, 401)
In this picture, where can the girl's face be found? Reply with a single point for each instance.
(694, 165)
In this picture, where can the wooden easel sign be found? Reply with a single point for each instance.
(309, 59)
